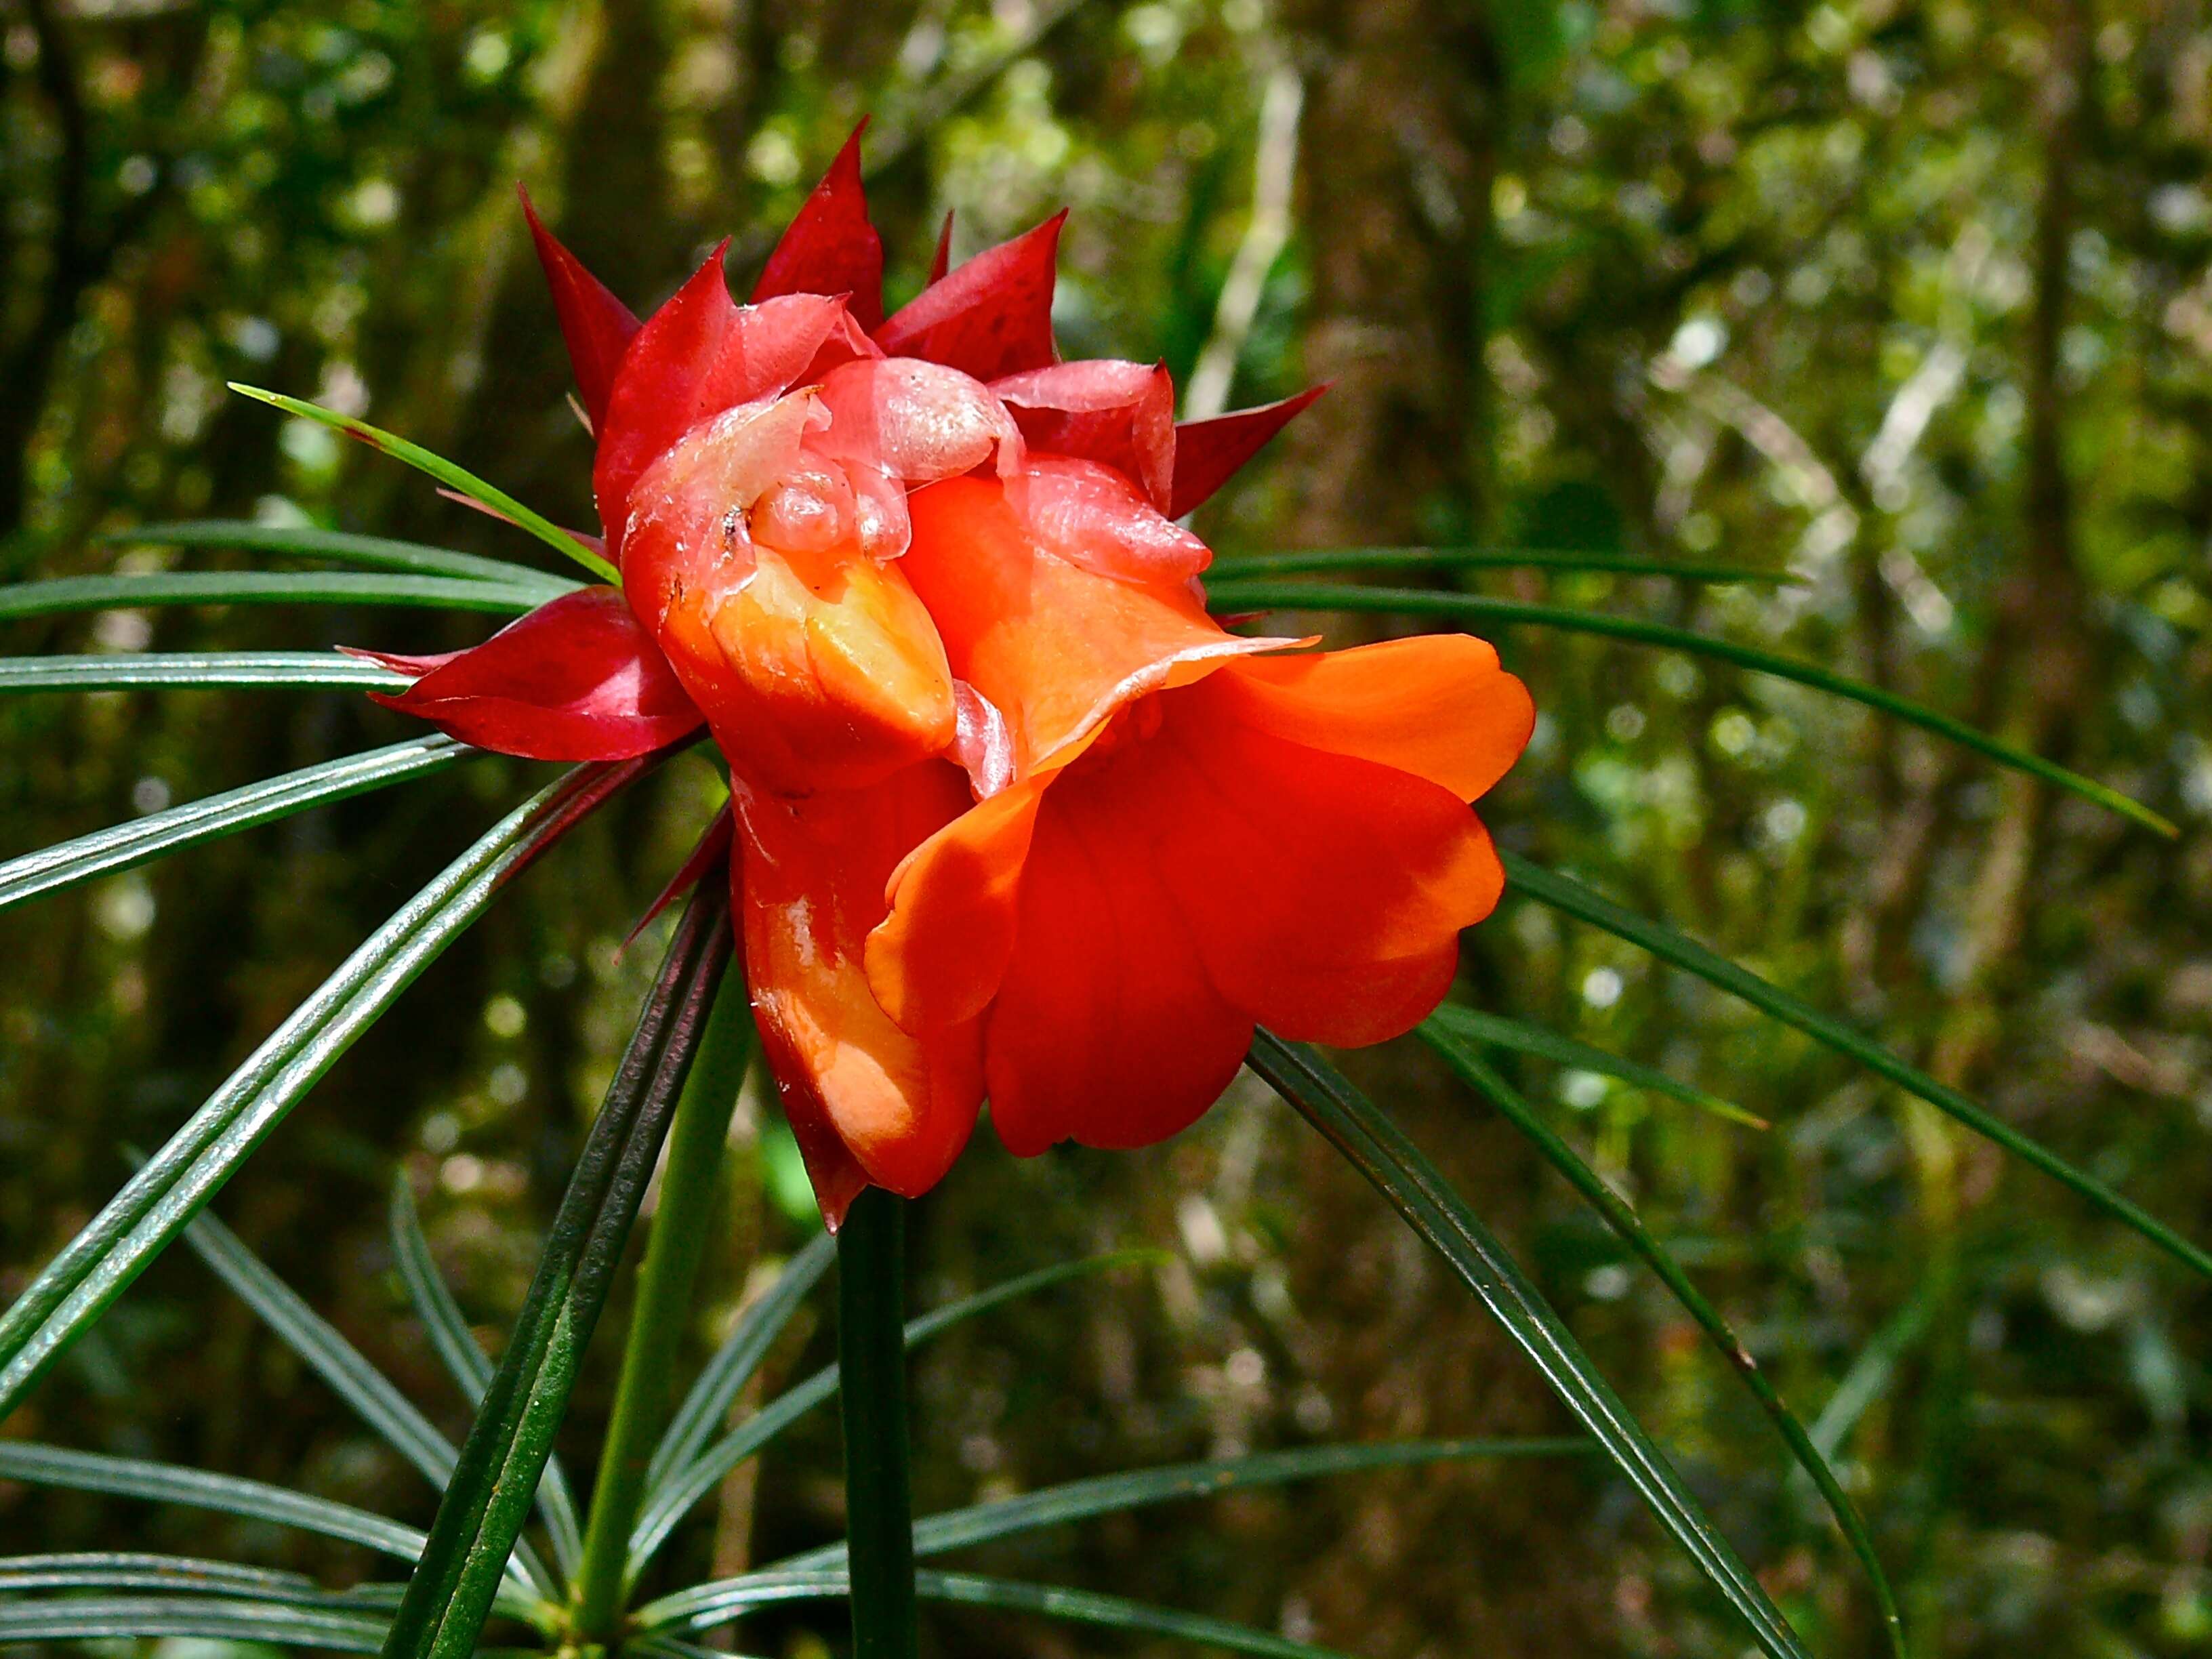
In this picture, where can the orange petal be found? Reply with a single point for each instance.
(1326, 893)
(1438, 706)
(938, 957)
(1106, 1030)
(1055, 649)
(811, 888)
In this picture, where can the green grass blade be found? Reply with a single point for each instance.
(667, 1647)
(122, 845)
(128, 1570)
(373, 1396)
(1485, 1080)
(1397, 1169)
(62, 594)
(1308, 560)
(700, 1415)
(1564, 894)
(481, 1515)
(157, 1203)
(196, 671)
(709, 1605)
(444, 472)
(1472, 1025)
(1870, 1374)
(36, 1465)
(91, 1618)
(1110, 1494)
(456, 1348)
(1482, 607)
(667, 1507)
(304, 541)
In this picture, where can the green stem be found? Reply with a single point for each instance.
(689, 1187)
(871, 1364)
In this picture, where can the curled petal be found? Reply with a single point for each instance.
(864, 1097)
(597, 326)
(918, 422)
(1092, 517)
(1118, 414)
(992, 317)
(698, 356)
(830, 247)
(1207, 452)
(577, 679)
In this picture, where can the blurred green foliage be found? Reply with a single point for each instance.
(1913, 298)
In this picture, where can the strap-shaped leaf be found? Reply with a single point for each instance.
(157, 1203)
(92, 1618)
(62, 594)
(667, 1506)
(306, 542)
(1470, 1024)
(445, 473)
(718, 1604)
(1129, 1489)
(456, 1346)
(1397, 1169)
(373, 1396)
(117, 1570)
(723, 1379)
(122, 845)
(1481, 1076)
(481, 1515)
(1566, 894)
(196, 671)
(1306, 561)
(1482, 607)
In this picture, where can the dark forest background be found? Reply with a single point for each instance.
(1911, 298)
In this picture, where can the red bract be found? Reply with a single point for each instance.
(1009, 807)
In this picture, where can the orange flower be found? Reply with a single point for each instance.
(1187, 838)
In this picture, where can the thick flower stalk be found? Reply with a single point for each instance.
(1015, 818)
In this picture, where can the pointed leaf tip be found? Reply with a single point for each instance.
(941, 261)
(597, 326)
(830, 246)
(992, 317)
(1208, 453)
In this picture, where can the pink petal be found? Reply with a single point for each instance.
(699, 355)
(992, 317)
(830, 247)
(915, 420)
(577, 679)
(1207, 452)
(1118, 414)
(1092, 516)
(597, 326)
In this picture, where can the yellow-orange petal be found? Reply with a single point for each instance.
(1438, 706)
(810, 887)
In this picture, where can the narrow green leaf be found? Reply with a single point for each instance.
(196, 671)
(93, 1269)
(373, 1396)
(1482, 607)
(667, 1647)
(306, 542)
(709, 1605)
(878, 1546)
(1318, 560)
(456, 1346)
(481, 1515)
(724, 1378)
(36, 1465)
(1870, 1374)
(1397, 1169)
(125, 1569)
(1479, 1075)
(1564, 894)
(667, 1507)
(1471, 1024)
(123, 846)
(90, 1617)
(1110, 1494)
(444, 472)
(66, 593)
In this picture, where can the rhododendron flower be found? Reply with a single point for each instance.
(1012, 815)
